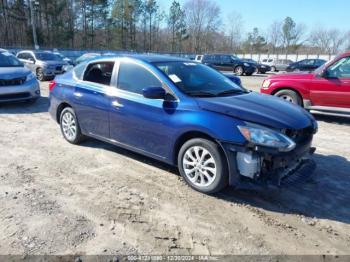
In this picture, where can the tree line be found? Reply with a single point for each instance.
(197, 26)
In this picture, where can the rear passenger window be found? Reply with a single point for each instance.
(133, 78)
(100, 73)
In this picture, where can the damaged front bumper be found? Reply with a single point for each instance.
(265, 166)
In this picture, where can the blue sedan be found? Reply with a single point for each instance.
(188, 115)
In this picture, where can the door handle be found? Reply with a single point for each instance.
(77, 94)
(115, 103)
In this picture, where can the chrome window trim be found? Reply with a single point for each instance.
(149, 69)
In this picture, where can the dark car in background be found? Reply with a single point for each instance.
(17, 83)
(306, 65)
(229, 63)
(45, 65)
(260, 68)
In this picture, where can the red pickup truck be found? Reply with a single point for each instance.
(325, 90)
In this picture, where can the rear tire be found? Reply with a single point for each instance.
(70, 127)
(239, 70)
(289, 96)
(273, 69)
(203, 166)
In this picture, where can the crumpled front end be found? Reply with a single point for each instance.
(266, 166)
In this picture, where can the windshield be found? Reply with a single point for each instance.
(9, 60)
(46, 56)
(196, 79)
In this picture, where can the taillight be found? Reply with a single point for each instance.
(52, 85)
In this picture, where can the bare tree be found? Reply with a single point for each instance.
(274, 35)
(234, 27)
(330, 41)
(203, 19)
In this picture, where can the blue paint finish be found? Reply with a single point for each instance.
(153, 126)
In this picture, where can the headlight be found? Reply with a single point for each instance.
(30, 77)
(246, 64)
(266, 84)
(267, 137)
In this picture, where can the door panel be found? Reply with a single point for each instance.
(142, 123)
(92, 109)
(331, 92)
(334, 88)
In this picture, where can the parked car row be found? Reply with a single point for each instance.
(245, 66)
(186, 113)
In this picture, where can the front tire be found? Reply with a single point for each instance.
(40, 74)
(70, 127)
(203, 166)
(289, 96)
(273, 69)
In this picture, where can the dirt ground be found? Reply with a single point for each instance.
(57, 198)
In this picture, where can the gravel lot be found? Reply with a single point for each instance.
(57, 198)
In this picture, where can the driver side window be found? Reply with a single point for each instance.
(340, 69)
(133, 78)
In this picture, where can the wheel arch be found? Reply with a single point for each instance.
(60, 108)
(183, 138)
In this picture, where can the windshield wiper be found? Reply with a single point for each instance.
(231, 91)
(201, 94)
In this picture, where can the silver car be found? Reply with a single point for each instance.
(277, 64)
(17, 82)
(45, 65)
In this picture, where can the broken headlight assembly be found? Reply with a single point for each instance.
(263, 136)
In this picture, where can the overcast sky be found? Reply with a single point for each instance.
(261, 13)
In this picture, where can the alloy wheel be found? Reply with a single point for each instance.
(199, 166)
(69, 126)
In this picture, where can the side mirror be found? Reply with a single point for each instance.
(154, 92)
(31, 60)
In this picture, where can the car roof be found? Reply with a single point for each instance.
(143, 57)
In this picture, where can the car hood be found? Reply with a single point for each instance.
(298, 75)
(13, 72)
(260, 109)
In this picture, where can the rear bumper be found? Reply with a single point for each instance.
(52, 72)
(276, 169)
(29, 90)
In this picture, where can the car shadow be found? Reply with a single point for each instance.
(332, 119)
(326, 195)
(91, 142)
(39, 106)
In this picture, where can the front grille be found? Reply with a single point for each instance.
(15, 96)
(301, 135)
(59, 68)
(13, 81)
